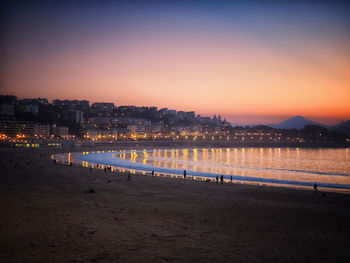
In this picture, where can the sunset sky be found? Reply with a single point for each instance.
(249, 62)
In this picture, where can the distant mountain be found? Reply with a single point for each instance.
(341, 127)
(296, 122)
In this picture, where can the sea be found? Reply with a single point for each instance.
(329, 168)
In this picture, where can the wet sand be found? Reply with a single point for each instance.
(46, 217)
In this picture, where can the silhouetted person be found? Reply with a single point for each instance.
(222, 179)
(231, 179)
(128, 178)
(185, 174)
(90, 169)
(152, 172)
(217, 179)
(315, 187)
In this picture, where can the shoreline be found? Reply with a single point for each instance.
(156, 143)
(136, 168)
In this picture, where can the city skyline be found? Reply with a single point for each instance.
(250, 63)
(176, 110)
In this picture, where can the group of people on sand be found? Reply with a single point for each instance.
(108, 168)
(217, 177)
(221, 179)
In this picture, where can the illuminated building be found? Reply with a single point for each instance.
(104, 107)
(60, 131)
(13, 128)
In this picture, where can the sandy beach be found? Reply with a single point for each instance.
(47, 217)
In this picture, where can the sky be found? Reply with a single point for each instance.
(250, 61)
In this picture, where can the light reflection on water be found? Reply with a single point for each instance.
(324, 166)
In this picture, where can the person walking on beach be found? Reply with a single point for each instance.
(128, 179)
(184, 174)
(222, 179)
(217, 179)
(315, 187)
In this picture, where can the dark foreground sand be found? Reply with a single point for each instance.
(46, 217)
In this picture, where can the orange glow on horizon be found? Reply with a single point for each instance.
(232, 75)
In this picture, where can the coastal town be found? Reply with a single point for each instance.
(31, 122)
